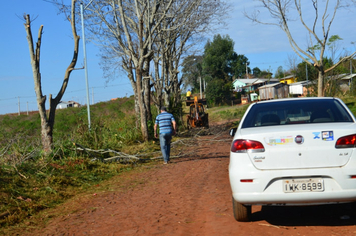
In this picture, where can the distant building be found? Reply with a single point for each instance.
(272, 91)
(346, 78)
(300, 89)
(290, 79)
(239, 83)
(249, 85)
(64, 105)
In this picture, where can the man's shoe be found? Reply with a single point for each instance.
(165, 163)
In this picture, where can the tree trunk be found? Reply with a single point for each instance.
(147, 87)
(128, 68)
(47, 123)
(147, 94)
(321, 83)
(158, 86)
(141, 103)
(46, 135)
(46, 127)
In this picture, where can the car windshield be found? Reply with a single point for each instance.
(296, 112)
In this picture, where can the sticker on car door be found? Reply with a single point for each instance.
(327, 135)
(283, 140)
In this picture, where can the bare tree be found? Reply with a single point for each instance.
(185, 25)
(135, 32)
(47, 121)
(125, 28)
(292, 63)
(281, 12)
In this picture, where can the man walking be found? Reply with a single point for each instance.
(165, 121)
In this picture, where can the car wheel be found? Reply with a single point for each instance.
(241, 212)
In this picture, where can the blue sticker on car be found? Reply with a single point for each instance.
(327, 135)
(316, 135)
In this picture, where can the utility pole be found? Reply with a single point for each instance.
(85, 60)
(18, 99)
(306, 76)
(27, 108)
(350, 66)
(92, 95)
(201, 96)
(351, 75)
(247, 63)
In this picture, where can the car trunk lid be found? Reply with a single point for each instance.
(316, 147)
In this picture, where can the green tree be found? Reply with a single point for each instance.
(280, 72)
(239, 65)
(220, 65)
(330, 80)
(256, 72)
(220, 60)
(218, 91)
(266, 74)
(303, 70)
(192, 70)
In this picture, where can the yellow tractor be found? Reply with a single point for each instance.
(197, 117)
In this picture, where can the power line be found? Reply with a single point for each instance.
(265, 62)
(4, 99)
(67, 92)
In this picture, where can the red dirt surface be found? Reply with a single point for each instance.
(189, 196)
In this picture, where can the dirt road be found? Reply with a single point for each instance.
(190, 196)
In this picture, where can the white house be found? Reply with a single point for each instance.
(63, 105)
(251, 84)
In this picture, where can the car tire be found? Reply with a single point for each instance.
(242, 212)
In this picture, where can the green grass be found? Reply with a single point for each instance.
(37, 185)
(227, 113)
(31, 182)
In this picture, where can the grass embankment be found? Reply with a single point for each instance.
(31, 182)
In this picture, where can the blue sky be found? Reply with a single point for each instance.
(266, 47)
(16, 77)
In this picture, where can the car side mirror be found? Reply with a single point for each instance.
(232, 132)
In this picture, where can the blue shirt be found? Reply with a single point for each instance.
(164, 120)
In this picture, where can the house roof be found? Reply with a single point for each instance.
(272, 85)
(258, 81)
(304, 83)
(255, 80)
(245, 81)
(346, 76)
(287, 77)
(69, 102)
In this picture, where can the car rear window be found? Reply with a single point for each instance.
(296, 111)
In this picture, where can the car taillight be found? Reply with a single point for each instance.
(346, 141)
(243, 145)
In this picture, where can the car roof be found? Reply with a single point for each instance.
(293, 99)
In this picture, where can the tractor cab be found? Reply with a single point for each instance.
(197, 116)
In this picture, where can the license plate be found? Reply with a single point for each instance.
(303, 185)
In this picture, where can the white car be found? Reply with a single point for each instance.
(297, 151)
